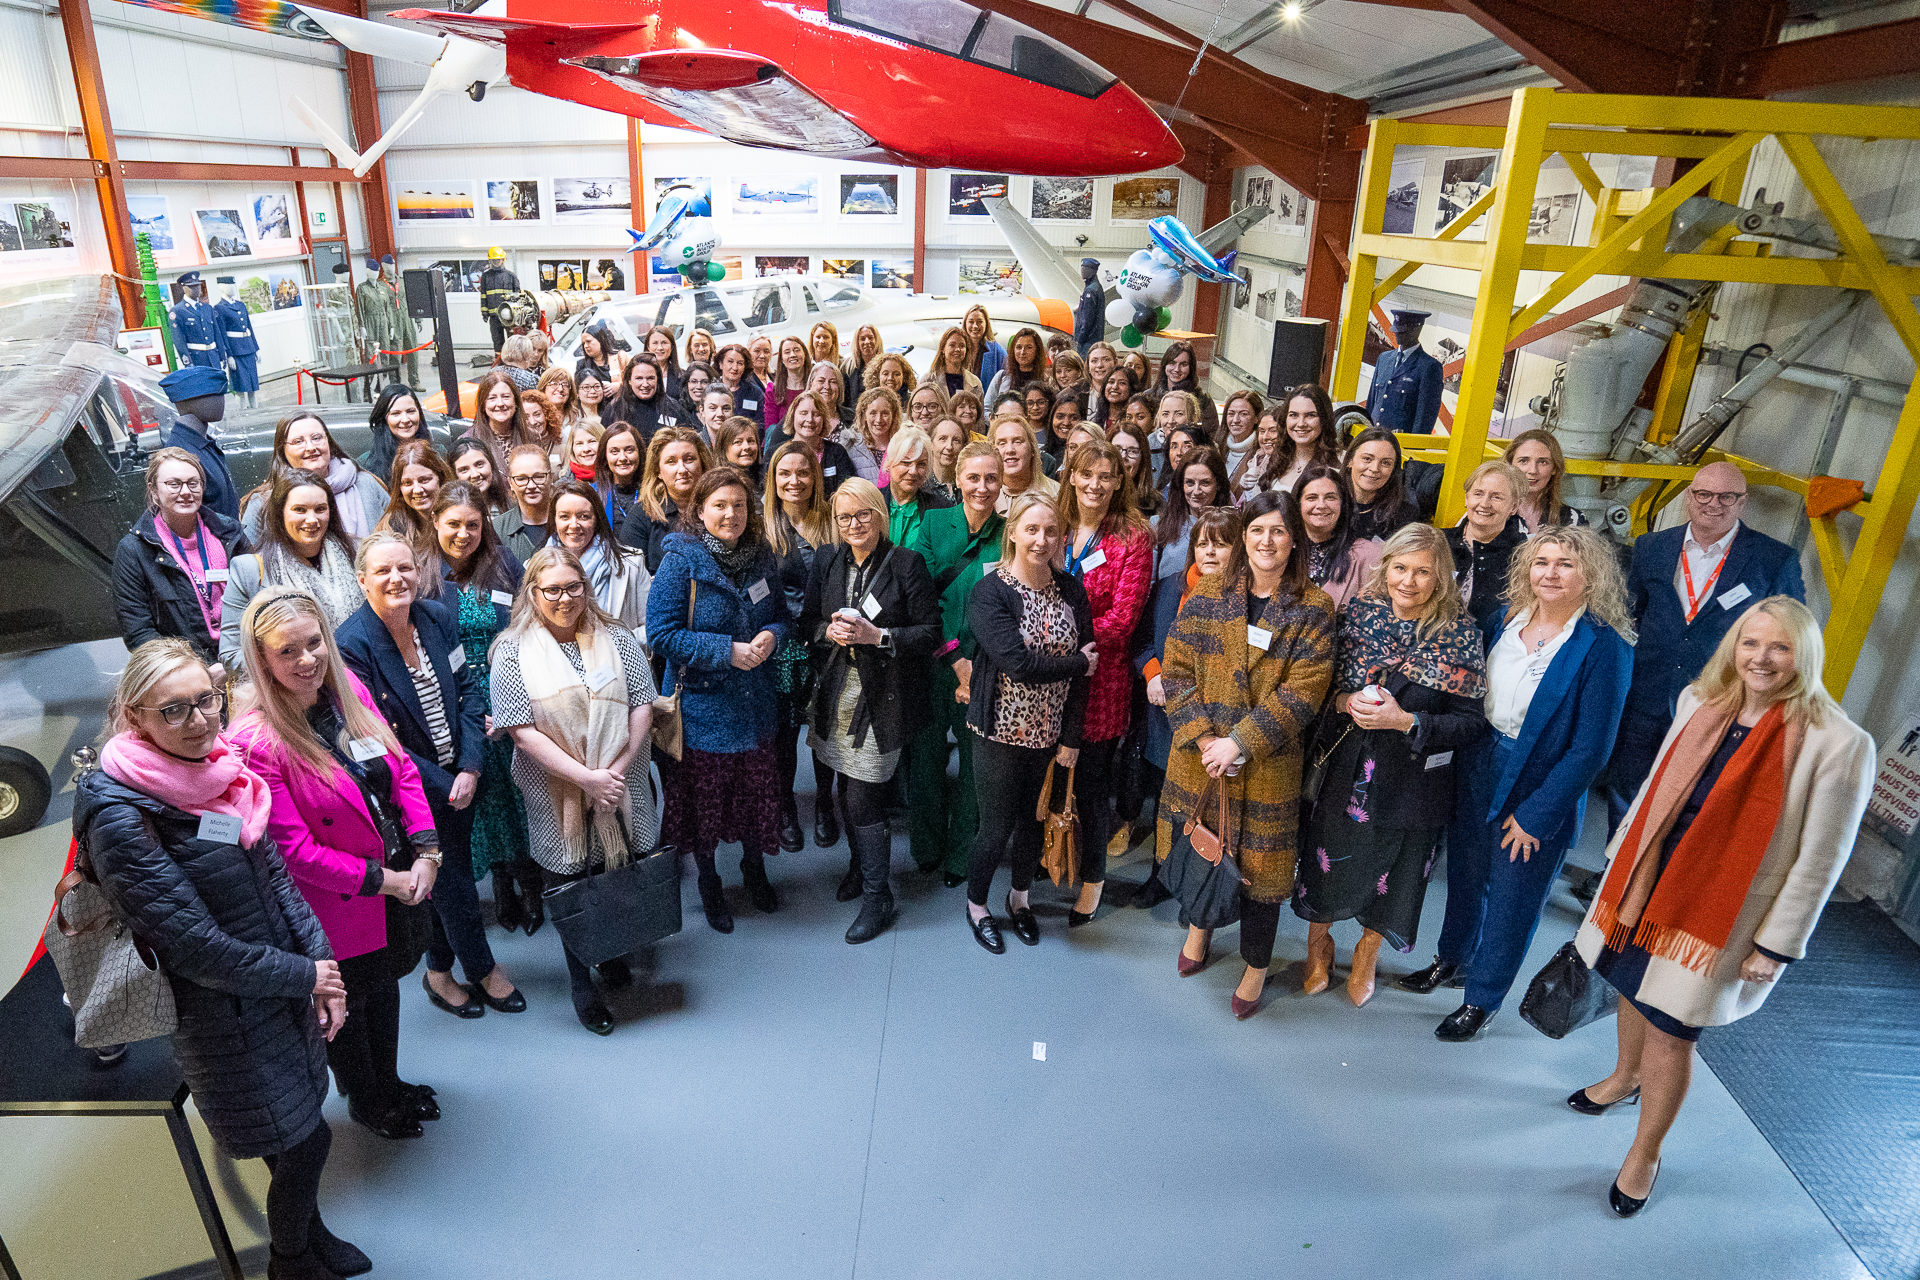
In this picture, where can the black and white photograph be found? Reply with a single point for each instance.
(46, 224)
(1293, 292)
(273, 231)
(1062, 200)
(462, 275)
(513, 200)
(1552, 219)
(1403, 197)
(222, 233)
(1266, 304)
(592, 200)
(1259, 192)
(965, 190)
(869, 195)
(1464, 180)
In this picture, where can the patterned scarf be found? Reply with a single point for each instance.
(1373, 640)
(735, 561)
(332, 584)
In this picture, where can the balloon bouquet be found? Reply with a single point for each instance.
(682, 231)
(1152, 279)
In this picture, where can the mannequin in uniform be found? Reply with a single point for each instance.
(1405, 395)
(243, 349)
(199, 395)
(406, 337)
(197, 335)
(1090, 313)
(497, 284)
(380, 310)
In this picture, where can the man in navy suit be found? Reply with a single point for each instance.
(1686, 589)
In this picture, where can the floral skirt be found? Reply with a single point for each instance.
(713, 799)
(1353, 868)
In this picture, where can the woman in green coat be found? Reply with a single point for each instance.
(958, 544)
(903, 479)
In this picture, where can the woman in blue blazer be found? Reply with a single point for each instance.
(407, 651)
(1559, 662)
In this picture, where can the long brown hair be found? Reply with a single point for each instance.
(816, 525)
(653, 487)
(276, 546)
(401, 518)
(482, 429)
(777, 371)
(1018, 378)
(485, 567)
(1550, 501)
(1123, 516)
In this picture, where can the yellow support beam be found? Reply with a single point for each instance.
(1583, 173)
(1830, 554)
(1736, 266)
(1468, 216)
(1376, 182)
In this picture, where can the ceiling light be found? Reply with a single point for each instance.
(1291, 12)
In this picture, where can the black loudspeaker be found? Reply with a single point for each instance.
(1298, 346)
(419, 291)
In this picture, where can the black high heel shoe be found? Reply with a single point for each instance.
(1586, 1106)
(1625, 1205)
(421, 1097)
(536, 908)
(396, 1122)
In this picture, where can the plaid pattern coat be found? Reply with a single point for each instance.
(1218, 684)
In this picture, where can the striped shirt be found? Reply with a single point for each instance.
(426, 687)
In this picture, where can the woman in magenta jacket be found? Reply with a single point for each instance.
(347, 808)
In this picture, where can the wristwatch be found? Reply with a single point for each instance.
(434, 857)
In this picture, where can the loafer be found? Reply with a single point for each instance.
(421, 1097)
(597, 1019)
(1436, 975)
(1463, 1024)
(986, 932)
(1025, 926)
(1625, 1205)
(396, 1122)
(471, 1009)
(512, 1002)
(1586, 1106)
(953, 879)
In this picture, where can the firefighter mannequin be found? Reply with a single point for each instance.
(497, 284)
(243, 348)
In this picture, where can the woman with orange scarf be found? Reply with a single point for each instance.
(1719, 872)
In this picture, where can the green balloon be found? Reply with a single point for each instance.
(1130, 336)
(716, 272)
(1162, 318)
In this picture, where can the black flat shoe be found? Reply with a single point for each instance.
(421, 1098)
(1625, 1205)
(1025, 927)
(512, 1002)
(1433, 977)
(597, 1019)
(826, 823)
(471, 1009)
(1586, 1106)
(396, 1122)
(952, 879)
(986, 932)
(791, 841)
(1463, 1024)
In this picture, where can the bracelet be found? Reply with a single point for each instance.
(433, 857)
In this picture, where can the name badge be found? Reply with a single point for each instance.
(365, 749)
(221, 828)
(749, 404)
(1259, 637)
(220, 575)
(832, 471)
(987, 565)
(1098, 558)
(457, 660)
(758, 591)
(503, 598)
(641, 634)
(599, 676)
(668, 420)
(1442, 758)
(1728, 599)
(870, 607)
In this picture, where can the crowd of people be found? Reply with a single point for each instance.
(404, 671)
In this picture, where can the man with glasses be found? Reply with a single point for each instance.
(1686, 589)
(526, 525)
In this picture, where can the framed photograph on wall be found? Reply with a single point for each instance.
(765, 265)
(1142, 199)
(999, 276)
(442, 202)
(1061, 200)
(513, 200)
(1463, 180)
(1403, 196)
(273, 230)
(223, 233)
(964, 191)
(777, 196)
(702, 192)
(869, 195)
(854, 269)
(893, 273)
(153, 215)
(592, 200)
(462, 275)
(561, 273)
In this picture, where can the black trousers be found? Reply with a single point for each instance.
(1093, 795)
(458, 929)
(579, 976)
(1259, 926)
(365, 1056)
(293, 1196)
(1007, 781)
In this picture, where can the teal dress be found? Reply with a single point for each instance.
(499, 820)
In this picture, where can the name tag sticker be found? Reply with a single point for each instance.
(503, 598)
(641, 634)
(599, 676)
(365, 749)
(1259, 637)
(457, 660)
(1098, 558)
(221, 828)
(1442, 758)
(987, 563)
(749, 404)
(758, 591)
(217, 575)
(833, 471)
(1728, 599)
(870, 607)
(668, 420)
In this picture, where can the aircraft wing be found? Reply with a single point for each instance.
(1049, 272)
(473, 26)
(1221, 234)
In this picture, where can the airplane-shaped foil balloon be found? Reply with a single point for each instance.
(683, 234)
(931, 84)
(1151, 281)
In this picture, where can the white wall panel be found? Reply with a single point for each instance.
(35, 88)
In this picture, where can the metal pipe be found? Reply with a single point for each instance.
(1878, 390)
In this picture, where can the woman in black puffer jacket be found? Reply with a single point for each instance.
(174, 826)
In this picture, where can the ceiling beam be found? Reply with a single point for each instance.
(1684, 48)
(1864, 53)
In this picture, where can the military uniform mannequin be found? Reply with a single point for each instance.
(199, 395)
(1090, 313)
(383, 315)
(197, 335)
(406, 336)
(497, 284)
(243, 348)
(1405, 395)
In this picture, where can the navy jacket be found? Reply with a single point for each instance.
(1672, 651)
(191, 434)
(1567, 737)
(1405, 395)
(1158, 619)
(367, 647)
(723, 710)
(153, 597)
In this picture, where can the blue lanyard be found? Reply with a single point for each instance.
(1074, 558)
(200, 584)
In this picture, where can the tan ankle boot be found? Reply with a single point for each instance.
(1360, 981)
(1319, 959)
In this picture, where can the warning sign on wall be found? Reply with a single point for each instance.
(1895, 806)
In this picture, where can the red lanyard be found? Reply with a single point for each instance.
(1686, 569)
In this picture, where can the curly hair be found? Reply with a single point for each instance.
(1606, 585)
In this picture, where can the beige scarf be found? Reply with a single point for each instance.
(587, 719)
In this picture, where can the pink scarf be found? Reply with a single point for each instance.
(207, 593)
(222, 783)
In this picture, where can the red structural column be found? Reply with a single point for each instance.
(636, 192)
(109, 184)
(919, 230)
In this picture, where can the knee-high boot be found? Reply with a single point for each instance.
(753, 870)
(713, 896)
(873, 846)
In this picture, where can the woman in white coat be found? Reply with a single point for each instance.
(1719, 872)
(616, 575)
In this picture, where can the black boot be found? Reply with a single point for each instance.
(826, 820)
(1151, 892)
(334, 1253)
(791, 841)
(507, 911)
(753, 870)
(713, 897)
(874, 847)
(304, 1267)
(850, 883)
(531, 887)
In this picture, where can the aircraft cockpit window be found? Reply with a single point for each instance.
(672, 313)
(945, 25)
(710, 313)
(1008, 45)
(957, 28)
(813, 303)
(843, 296)
(766, 305)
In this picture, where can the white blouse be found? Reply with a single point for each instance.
(1514, 674)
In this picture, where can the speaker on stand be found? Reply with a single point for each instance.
(1298, 348)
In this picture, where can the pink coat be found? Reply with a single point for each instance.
(325, 834)
(1117, 589)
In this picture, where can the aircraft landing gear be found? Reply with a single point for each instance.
(477, 90)
(25, 790)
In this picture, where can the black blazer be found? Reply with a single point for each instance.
(153, 598)
(893, 686)
(994, 612)
(644, 533)
(368, 648)
(1490, 561)
(1414, 787)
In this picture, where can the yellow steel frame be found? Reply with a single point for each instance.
(1718, 136)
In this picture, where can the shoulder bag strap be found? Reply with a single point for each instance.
(1193, 819)
(1046, 795)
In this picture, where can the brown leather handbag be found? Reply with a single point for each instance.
(1210, 845)
(1060, 854)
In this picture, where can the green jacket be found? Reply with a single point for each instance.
(945, 543)
(903, 519)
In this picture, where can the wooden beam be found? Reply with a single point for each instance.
(1864, 53)
(190, 171)
(109, 184)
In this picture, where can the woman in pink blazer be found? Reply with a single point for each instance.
(347, 809)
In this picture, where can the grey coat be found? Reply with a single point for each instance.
(238, 943)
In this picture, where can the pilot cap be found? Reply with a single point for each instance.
(190, 382)
(1089, 262)
(1410, 317)
(191, 277)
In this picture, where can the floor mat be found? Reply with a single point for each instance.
(1829, 1072)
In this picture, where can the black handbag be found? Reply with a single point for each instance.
(604, 916)
(1201, 871)
(1565, 995)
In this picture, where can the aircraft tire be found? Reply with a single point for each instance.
(25, 790)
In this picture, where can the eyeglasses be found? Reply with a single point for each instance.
(181, 486)
(207, 704)
(1708, 498)
(856, 519)
(571, 591)
(521, 482)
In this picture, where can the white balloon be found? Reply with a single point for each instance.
(1119, 311)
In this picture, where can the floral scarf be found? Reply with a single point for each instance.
(1374, 641)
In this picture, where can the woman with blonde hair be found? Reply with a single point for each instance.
(676, 459)
(1717, 876)
(353, 823)
(875, 418)
(926, 405)
(1559, 661)
(1020, 468)
(700, 347)
(799, 518)
(574, 689)
(908, 463)
(1484, 541)
(952, 369)
(1407, 694)
(580, 458)
(866, 346)
(810, 421)
(824, 380)
(823, 343)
